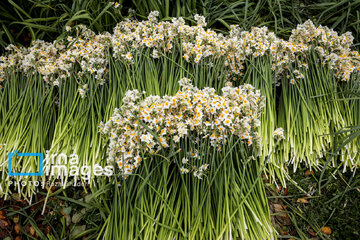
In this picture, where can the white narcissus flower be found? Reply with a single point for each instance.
(2, 146)
(279, 134)
(184, 170)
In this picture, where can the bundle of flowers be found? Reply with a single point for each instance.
(334, 49)
(85, 52)
(157, 123)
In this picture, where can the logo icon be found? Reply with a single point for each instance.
(16, 153)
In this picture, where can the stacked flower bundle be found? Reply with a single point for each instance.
(87, 52)
(155, 123)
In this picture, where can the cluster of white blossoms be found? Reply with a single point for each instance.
(334, 49)
(187, 165)
(279, 134)
(156, 123)
(85, 52)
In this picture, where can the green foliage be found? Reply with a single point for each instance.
(66, 212)
(336, 205)
(24, 21)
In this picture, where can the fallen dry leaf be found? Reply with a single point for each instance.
(283, 218)
(48, 229)
(286, 191)
(17, 228)
(32, 231)
(278, 207)
(326, 230)
(3, 224)
(302, 200)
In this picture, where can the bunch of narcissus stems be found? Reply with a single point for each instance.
(228, 202)
(193, 155)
